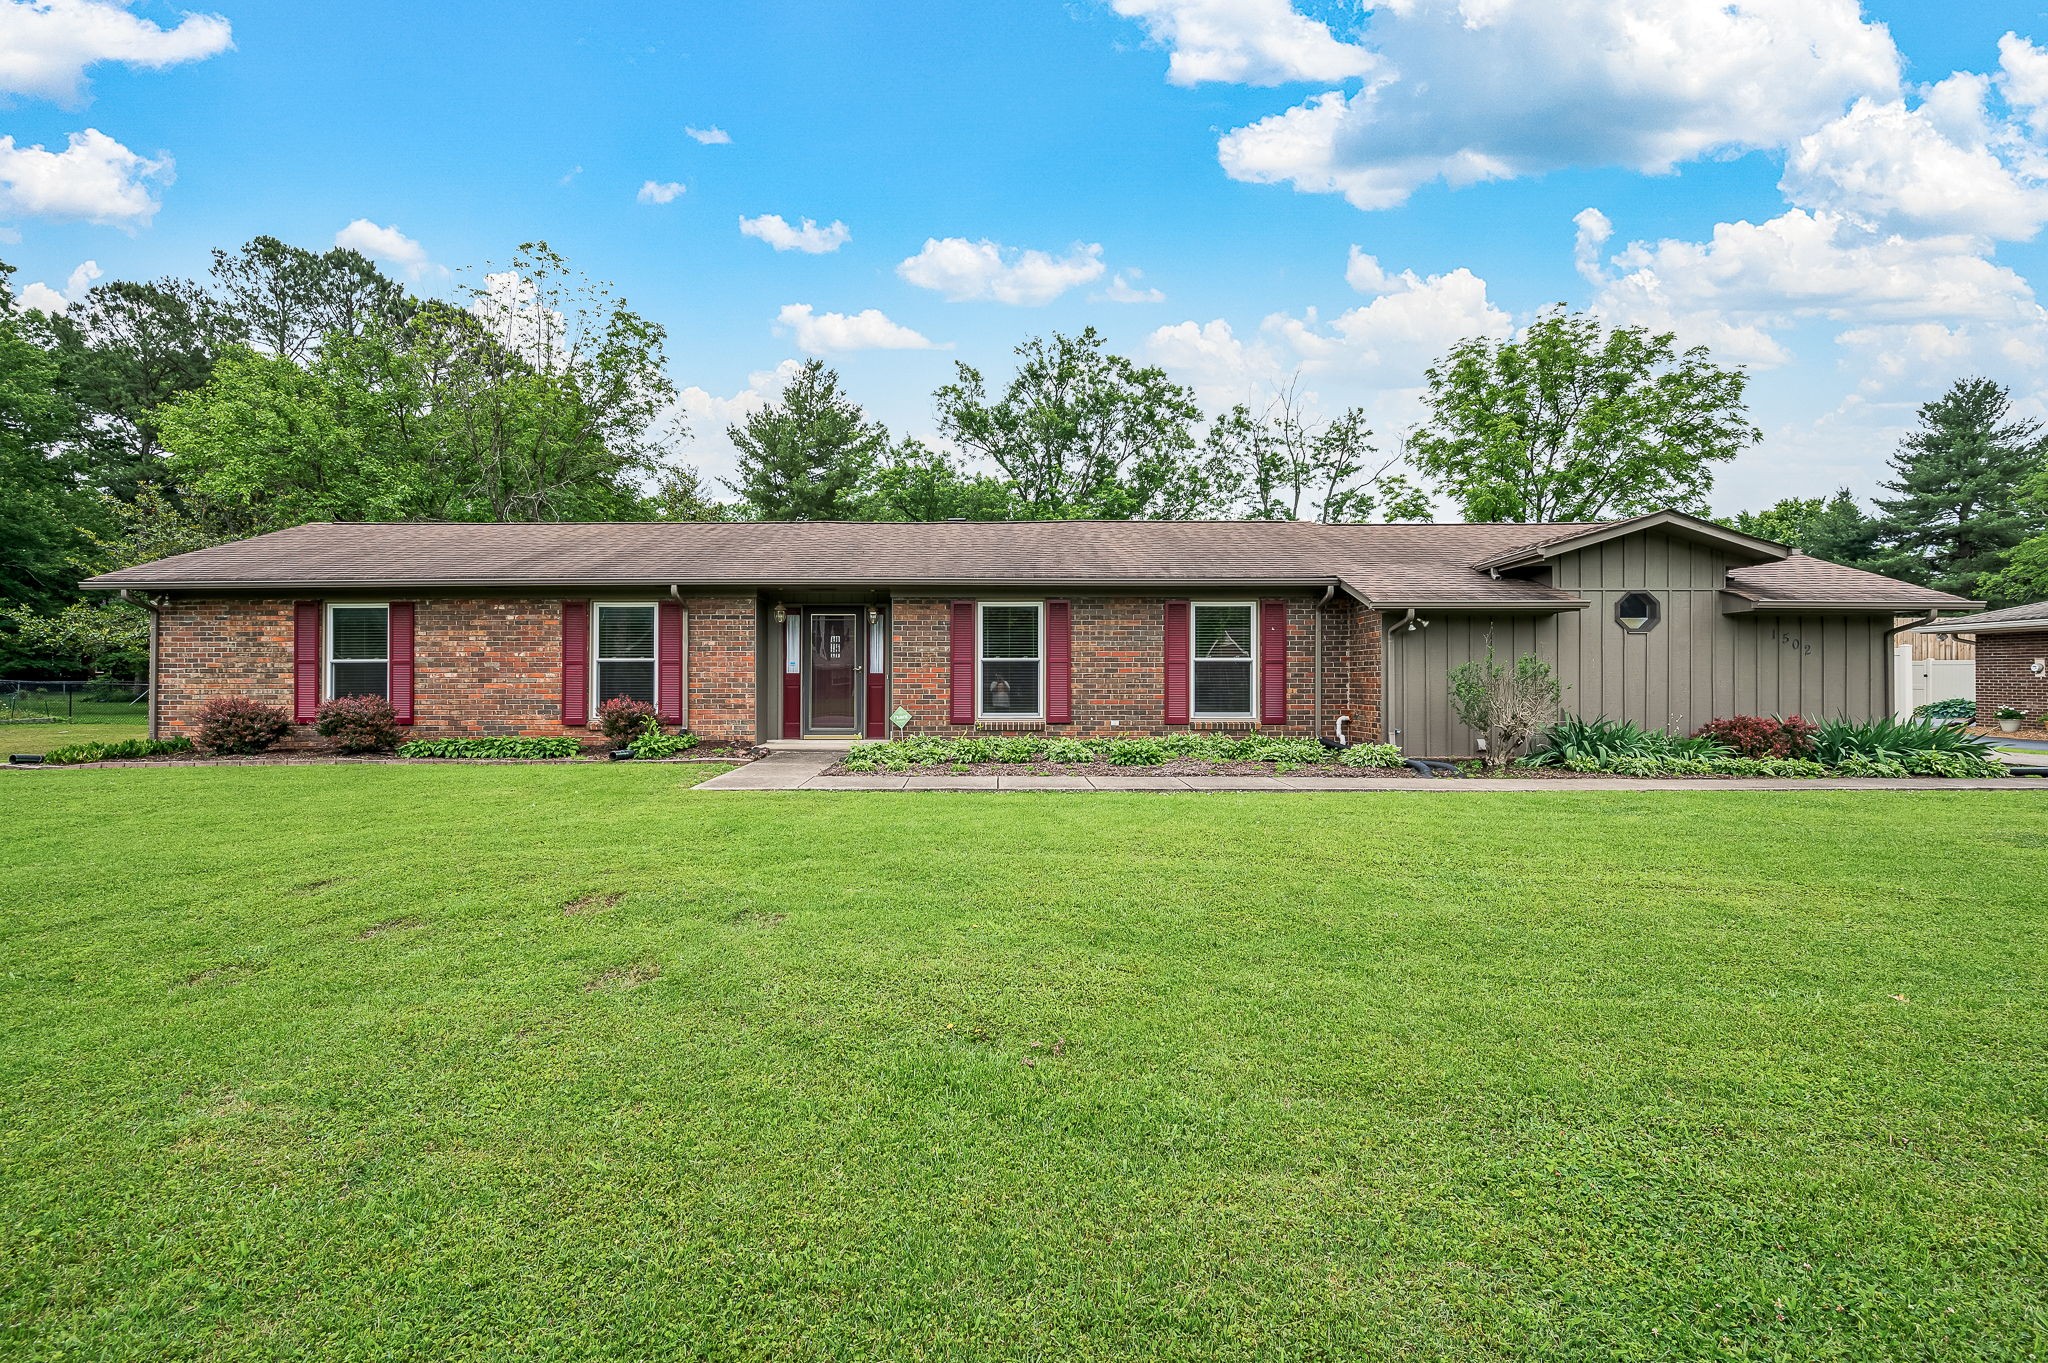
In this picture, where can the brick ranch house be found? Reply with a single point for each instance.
(765, 631)
(2012, 659)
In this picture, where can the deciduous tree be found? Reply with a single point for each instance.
(1572, 421)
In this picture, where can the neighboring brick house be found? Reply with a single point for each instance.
(761, 631)
(2012, 659)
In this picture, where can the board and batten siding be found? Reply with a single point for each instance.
(1697, 664)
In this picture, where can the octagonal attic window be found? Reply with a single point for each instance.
(1636, 612)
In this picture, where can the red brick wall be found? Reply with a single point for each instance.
(1119, 678)
(490, 665)
(2004, 678)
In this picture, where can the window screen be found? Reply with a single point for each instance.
(359, 651)
(625, 653)
(1223, 647)
(1009, 660)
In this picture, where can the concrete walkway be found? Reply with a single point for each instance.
(805, 771)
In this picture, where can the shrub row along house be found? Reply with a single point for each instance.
(827, 630)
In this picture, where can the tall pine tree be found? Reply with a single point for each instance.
(1959, 510)
(810, 455)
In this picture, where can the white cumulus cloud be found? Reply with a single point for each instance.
(1372, 354)
(967, 271)
(386, 244)
(710, 137)
(1473, 90)
(1749, 281)
(1124, 288)
(2023, 73)
(46, 45)
(822, 333)
(40, 297)
(1946, 164)
(1250, 42)
(660, 192)
(94, 178)
(810, 238)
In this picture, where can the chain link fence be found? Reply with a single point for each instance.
(99, 698)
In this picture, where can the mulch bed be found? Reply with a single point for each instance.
(1181, 768)
(322, 754)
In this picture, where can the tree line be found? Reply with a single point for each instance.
(290, 386)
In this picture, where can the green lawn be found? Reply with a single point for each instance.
(88, 722)
(312, 1062)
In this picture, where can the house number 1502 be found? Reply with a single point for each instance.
(1792, 641)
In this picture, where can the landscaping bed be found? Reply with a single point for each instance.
(1741, 748)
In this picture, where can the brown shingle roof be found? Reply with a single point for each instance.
(1799, 578)
(1388, 565)
(2012, 617)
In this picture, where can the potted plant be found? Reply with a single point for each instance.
(2009, 717)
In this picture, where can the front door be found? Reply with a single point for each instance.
(832, 679)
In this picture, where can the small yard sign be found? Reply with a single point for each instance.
(900, 718)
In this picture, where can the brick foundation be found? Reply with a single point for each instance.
(482, 665)
(2005, 676)
(1119, 667)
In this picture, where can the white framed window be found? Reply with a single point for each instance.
(623, 659)
(1223, 651)
(358, 649)
(1009, 681)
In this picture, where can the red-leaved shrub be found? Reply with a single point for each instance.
(1762, 735)
(236, 724)
(624, 720)
(358, 723)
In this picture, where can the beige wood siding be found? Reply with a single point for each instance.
(1697, 664)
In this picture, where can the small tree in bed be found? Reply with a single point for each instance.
(1508, 706)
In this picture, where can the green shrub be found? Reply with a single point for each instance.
(1954, 708)
(125, 750)
(491, 747)
(1596, 744)
(236, 724)
(653, 743)
(1889, 740)
(1954, 765)
(1371, 755)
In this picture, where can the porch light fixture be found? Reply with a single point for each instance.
(781, 614)
(1636, 612)
(874, 616)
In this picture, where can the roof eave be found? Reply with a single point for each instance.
(1748, 601)
(1764, 550)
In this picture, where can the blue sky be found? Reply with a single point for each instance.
(1324, 190)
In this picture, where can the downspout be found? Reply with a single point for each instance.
(1329, 591)
(1891, 699)
(155, 610)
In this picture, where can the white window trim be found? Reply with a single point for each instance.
(979, 693)
(1251, 711)
(327, 645)
(597, 660)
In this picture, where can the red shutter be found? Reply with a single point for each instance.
(305, 662)
(1272, 662)
(401, 661)
(1176, 662)
(668, 662)
(575, 664)
(792, 680)
(1059, 662)
(962, 657)
(878, 688)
